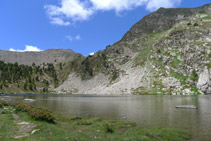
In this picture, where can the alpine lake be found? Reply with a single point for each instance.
(144, 110)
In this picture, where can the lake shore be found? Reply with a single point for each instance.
(14, 122)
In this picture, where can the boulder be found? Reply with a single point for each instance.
(204, 83)
(171, 82)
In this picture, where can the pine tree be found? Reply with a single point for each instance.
(25, 86)
(44, 90)
(31, 86)
(60, 65)
(37, 78)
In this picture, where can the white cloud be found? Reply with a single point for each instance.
(27, 48)
(71, 11)
(71, 38)
(78, 37)
(59, 21)
(152, 5)
(117, 5)
(92, 53)
(11, 49)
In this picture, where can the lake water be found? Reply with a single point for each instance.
(146, 111)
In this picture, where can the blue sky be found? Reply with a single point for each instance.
(85, 26)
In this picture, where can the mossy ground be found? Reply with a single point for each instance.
(84, 129)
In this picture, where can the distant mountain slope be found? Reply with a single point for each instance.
(47, 56)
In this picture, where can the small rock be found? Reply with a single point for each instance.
(29, 100)
(95, 137)
(35, 131)
(165, 60)
(187, 92)
(173, 54)
(23, 123)
(76, 118)
(17, 137)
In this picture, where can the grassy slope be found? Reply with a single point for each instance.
(144, 57)
(86, 129)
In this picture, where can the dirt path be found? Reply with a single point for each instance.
(15, 116)
(24, 128)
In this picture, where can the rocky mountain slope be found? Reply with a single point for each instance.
(167, 52)
(47, 56)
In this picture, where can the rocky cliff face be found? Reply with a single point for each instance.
(167, 52)
(47, 56)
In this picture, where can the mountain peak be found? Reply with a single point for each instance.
(163, 19)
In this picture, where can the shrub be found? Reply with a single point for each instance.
(115, 75)
(4, 103)
(84, 123)
(202, 12)
(6, 112)
(159, 51)
(168, 38)
(41, 114)
(35, 113)
(189, 23)
(23, 107)
(109, 128)
(196, 24)
(194, 76)
(1, 105)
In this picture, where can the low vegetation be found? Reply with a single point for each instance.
(35, 113)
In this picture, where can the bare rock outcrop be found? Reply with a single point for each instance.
(204, 83)
(171, 82)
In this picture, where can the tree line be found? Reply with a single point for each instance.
(14, 73)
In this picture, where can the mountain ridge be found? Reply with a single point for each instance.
(163, 19)
(46, 56)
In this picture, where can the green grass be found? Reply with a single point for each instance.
(7, 126)
(168, 38)
(208, 17)
(202, 12)
(87, 129)
(175, 63)
(144, 54)
(195, 90)
(180, 77)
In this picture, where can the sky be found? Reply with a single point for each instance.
(85, 26)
